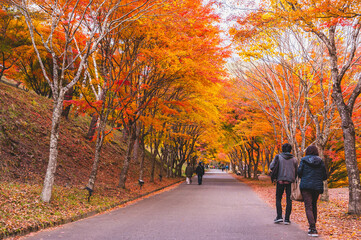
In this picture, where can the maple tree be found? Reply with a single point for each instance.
(82, 23)
(328, 23)
(144, 75)
(13, 36)
(27, 69)
(176, 61)
(250, 139)
(117, 53)
(292, 86)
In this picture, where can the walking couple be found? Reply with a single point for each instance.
(312, 172)
(199, 172)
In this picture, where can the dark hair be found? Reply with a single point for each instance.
(312, 150)
(286, 147)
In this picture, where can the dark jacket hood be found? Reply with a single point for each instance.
(286, 155)
(313, 160)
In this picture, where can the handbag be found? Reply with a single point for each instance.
(296, 194)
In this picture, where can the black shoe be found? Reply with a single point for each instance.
(312, 233)
(287, 222)
(278, 220)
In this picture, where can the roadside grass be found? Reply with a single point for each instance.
(22, 211)
(25, 120)
(333, 222)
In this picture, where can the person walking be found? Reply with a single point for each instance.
(312, 172)
(189, 173)
(200, 173)
(287, 171)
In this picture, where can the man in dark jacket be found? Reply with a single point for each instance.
(312, 172)
(200, 172)
(287, 172)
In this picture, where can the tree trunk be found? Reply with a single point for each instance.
(136, 149)
(179, 170)
(127, 159)
(53, 152)
(152, 169)
(354, 205)
(231, 167)
(348, 129)
(169, 168)
(68, 96)
(161, 169)
(240, 166)
(173, 167)
(263, 160)
(255, 169)
(98, 147)
(92, 127)
(141, 165)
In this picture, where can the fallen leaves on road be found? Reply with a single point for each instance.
(333, 221)
(22, 209)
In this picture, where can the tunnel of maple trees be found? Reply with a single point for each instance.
(162, 74)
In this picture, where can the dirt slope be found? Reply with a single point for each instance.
(25, 120)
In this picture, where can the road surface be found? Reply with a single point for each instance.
(221, 208)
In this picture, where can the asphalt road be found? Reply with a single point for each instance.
(220, 209)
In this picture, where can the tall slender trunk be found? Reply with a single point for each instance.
(240, 166)
(126, 163)
(136, 149)
(141, 165)
(98, 147)
(255, 165)
(179, 170)
(348, 129)
(53, 152)
(92, 127)
(166, 160)
(152, 170)
(354, 205)
(173, 167)
(263, 161)
(68, 96)
(161, 169)
(95, 118)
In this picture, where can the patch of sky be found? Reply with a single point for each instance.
(228, 11)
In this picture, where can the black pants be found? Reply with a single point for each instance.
(280, 189)
(310, 198)
(200, 176)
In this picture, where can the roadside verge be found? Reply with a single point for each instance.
(57, 219)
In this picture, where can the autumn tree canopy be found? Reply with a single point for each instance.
(156, 72)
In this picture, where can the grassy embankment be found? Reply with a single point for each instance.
(25, 120)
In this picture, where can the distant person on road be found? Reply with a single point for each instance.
(312, 172)
(200, 172)
(189, 173)
(287, 172)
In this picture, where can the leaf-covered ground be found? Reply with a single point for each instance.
(333, 221)
(22, 209)
(25, 120)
